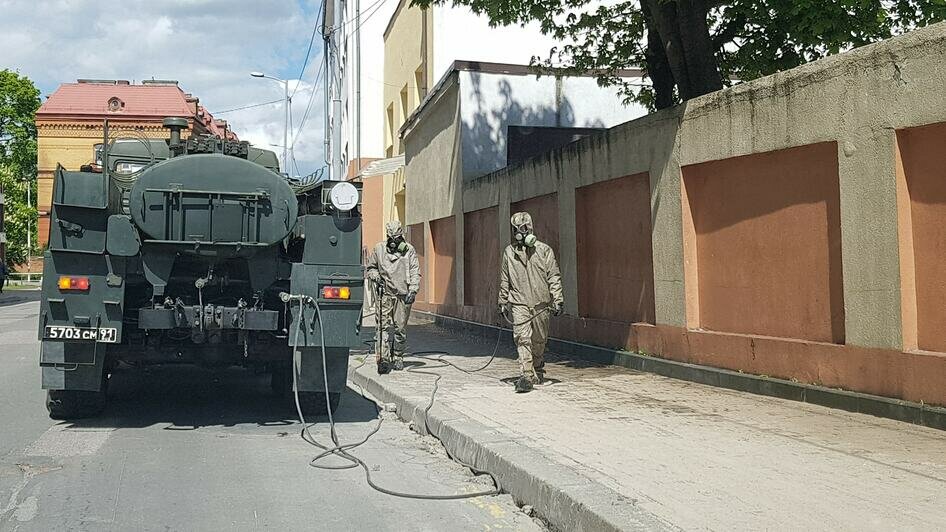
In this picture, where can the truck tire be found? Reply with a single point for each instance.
(313, 403)
(74, 404)
(77, 404)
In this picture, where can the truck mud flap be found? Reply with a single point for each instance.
(72, 366)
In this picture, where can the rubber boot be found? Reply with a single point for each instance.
(524, 384)
(384, 367)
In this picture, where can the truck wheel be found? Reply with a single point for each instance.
(313, 403)
(76, 404)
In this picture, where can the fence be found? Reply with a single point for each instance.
(24, 279)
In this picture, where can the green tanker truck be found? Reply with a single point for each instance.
(197, 251)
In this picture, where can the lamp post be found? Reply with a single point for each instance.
(285, 135)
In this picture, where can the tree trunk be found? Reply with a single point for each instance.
(685, 36)
(658, 68)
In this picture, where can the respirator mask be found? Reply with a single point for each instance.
(397, 245)
(525, 236)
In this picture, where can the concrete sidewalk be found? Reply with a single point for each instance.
(603, 447)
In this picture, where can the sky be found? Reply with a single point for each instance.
(209, 46)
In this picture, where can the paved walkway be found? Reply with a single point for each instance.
(694, 456)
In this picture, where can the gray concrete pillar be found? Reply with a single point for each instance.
(670, 300)
(869, 238)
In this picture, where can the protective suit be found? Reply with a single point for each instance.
(530, 289)
(393, 267)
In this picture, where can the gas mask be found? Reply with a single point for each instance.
(397, 245)
(525, 236)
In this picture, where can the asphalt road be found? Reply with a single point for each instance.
(189, 449)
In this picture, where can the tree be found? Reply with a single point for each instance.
(693, 47)
(19, 100)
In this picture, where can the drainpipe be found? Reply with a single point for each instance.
(325, 51)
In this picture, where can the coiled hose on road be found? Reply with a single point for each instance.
(343, 450)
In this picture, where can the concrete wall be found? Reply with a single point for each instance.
(489, 103)
(433, 165)
(923, 173)
(836, 142)
(417, 236)
(613, 237)
(481, 257)
(749, 280)
(441, 261)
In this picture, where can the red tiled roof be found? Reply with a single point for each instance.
(92, 99)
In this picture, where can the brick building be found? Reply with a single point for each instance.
(69, 124)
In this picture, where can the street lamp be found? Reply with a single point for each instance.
(285, 135)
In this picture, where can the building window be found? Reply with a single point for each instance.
(420, 82)
(389, 132)
(405, 104)
(405, 112)
(115, 104)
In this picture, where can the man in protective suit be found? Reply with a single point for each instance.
(530, 288)
(393, 266)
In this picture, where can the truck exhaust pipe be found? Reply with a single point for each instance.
(175, 124)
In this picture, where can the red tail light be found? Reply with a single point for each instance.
(336, 292)
(68, 282)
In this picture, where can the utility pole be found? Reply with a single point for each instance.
(285, 131)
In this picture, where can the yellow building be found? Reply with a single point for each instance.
(70, 125)
(407, 75)
(408, 72)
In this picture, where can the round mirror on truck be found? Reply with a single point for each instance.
(344, 196)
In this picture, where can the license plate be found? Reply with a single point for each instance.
(81, 334)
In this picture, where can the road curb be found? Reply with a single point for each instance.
(566, 499)
(896, 409)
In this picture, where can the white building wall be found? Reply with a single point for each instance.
(489, 103)
(374, 18)
(460, 34)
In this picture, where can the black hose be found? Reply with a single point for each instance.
(342, 450)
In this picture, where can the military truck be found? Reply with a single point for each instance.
(197, 251)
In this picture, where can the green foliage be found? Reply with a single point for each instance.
(752, 38)
(19, 100)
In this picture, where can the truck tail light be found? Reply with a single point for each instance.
(68, 282)
(336, 292)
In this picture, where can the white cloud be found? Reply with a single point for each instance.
(209, 46)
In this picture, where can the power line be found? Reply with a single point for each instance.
(247, 107)
(347, 22)
(305, 116)
(308, 51)
(379, 4)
